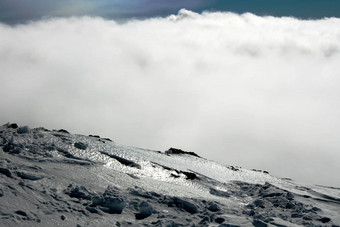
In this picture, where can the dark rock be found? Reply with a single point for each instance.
(110, 201)
(250, 206)
(173, 224)
(29, 176)
(63, 131)
(122, 160)
(23, 130)
(258, 223)
(7, 147)
(219, 220)
(115, 205)
(155, 194)
(296, 215)
(214, 207)
(189, 175)
(290, 205)
(62, 217)
(6, 172)
(80, 145)
(97, 200)
(1, 193)
(144, 194)
(307, 217)
(187, 206)
(11, 148)
(259, 203)
(233, 168)
(316, 209)
(228, 225)
(273, 194)
(111, 191)
(175, 176)
(324, 220)
(79, 192)
(15, 150)
(266, 186)
(249, 212)
(145, 210)
(289, 196)
(20, 212)
(13, 125)
(95, 136)
(179, 151)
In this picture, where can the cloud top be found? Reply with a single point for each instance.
(260, 92)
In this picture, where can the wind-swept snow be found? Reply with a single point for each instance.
(56, 178)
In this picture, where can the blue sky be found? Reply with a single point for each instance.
(17, 11)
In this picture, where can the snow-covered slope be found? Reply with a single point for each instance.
(54, 178)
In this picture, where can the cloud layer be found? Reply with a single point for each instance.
(258, 92)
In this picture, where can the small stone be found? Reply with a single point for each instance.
(258, 223)
(187, 206)
(63, 131)
(6, 172)
(145, 210)
(23, 129)
(219, 220)
(214, 208)
(80, 145)
(20, 212)
(13, 125)
(325, 220)
(290, 196)
(115, 205)
(259, 203)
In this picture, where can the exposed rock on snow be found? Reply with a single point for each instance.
(14, 126)
(23, 129)
(80, 145)
(179, 151)
(122, 160)
(63, 131)
(145, 210)
(54, 178)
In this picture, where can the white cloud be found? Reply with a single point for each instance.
(260, 92)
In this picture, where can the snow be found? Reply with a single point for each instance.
(57, 178)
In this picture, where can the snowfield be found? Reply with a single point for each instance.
(54, 178)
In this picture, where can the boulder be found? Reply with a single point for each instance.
(145, 210)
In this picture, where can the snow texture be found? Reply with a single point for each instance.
(54, 178)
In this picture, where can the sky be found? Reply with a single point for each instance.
(258, 90)
(18, 11)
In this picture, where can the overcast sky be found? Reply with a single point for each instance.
(245, 90)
